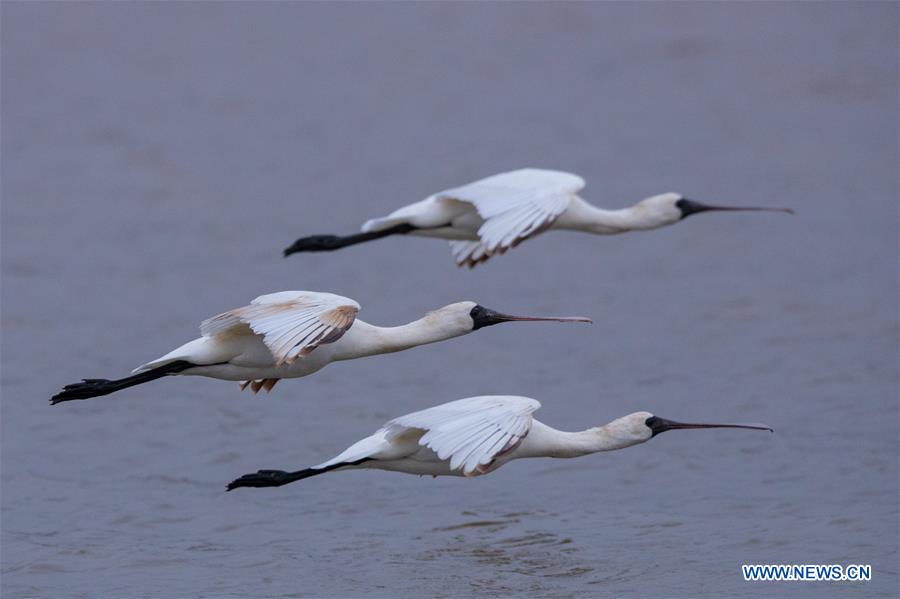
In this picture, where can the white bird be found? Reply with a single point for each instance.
(293, 334)
(474, 436)
(490, 216)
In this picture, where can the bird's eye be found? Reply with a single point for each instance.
(649, 422)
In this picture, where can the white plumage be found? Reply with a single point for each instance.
(499, 211)
(489, 216)
(469, 432)
(292, 334)
(475, 436)
(291, 323)
(516, 205)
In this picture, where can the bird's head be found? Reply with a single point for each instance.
(642, 426)
(668, 208)
(659, 210)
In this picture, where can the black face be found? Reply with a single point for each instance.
(656, 424)
(689, 207)
(660, 425)
(484, 317)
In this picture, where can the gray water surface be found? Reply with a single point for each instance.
(157, 157)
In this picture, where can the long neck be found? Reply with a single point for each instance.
(370, 340)
(545, 441)
(582, 216)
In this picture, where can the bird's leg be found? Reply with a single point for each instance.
(88, 388)
(277, 478)
(263, 478)
(327, 243)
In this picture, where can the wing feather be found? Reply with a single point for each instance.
(470, 432)
(515, 206)
(292, 323)
(470, 452)
(282, 343)
(494, 445)
(468, 253)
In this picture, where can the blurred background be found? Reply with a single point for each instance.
(157, 157)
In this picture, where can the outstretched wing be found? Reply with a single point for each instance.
(292, 323)
(515, 206)
(468, 253)
(470, 432)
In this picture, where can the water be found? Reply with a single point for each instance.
(157, 158)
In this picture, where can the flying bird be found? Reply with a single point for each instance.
(490, 216)
(475, 436)
(292, 334)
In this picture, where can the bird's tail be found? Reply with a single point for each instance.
(277, 478)
(88, 388)
(328, 243)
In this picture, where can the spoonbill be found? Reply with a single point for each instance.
(492, 215)
(474, 436)
(292, 334)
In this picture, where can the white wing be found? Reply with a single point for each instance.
(468, 253)
(470, 432)
(517, 204)
(292, 323)
(510, 207)
(364, 448)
